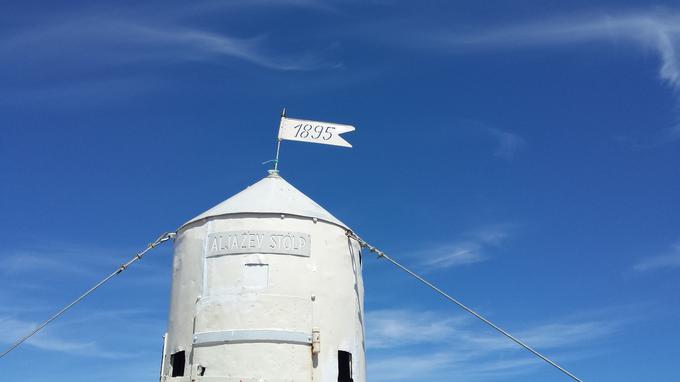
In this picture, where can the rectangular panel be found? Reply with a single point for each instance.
(256, 311)
(251, 335)
(255, 361)
(275, 242)
(255, 275)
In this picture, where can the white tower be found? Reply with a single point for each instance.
(266, 287)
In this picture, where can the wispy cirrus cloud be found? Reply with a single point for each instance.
(59, 259)
(470, 248)
(553, 335)
(41, 279)
(396, 327)
(96, 51)
(31, 262)
(111, 41)
(669, 260)
(658, 31)
(39, 267)
(508, 144)
(446, 366)
(390, 328)
(404, 344)
(655, 31)
(11, 329)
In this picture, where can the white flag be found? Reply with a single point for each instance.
(313, 131)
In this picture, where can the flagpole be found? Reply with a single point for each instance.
(278, 144)
(276, 161)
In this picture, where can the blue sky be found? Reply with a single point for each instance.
(523, 155)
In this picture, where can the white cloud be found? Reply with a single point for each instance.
(395, 327)
(508, 143)
(667, 261)
(193, 44)
(455, 346)
(657, 31)
(412, 367)
(111, 41)
(453, 255)
(469, 249)
(28, 262)
(549, 336)
(12, 329)
(29, 296)
(392, 328)
(60, 259)
(448, 366)
(84, 56)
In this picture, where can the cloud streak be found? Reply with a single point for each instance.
(652, 31)
(666, 261)
(98, 53)
(470, 249)
(36, 279)
(655, 31)
(164, 35)
(60, 259)
(405, 344)
(11, 329)
(113, 41)
(397, 327)
(508, 143)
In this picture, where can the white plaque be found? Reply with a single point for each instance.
(276, 242)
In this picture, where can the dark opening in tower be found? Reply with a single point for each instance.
(344, 366)
(177, 361)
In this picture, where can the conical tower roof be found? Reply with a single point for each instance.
(271, 195)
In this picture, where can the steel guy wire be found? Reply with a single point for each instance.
(162, 238)
(382, 254)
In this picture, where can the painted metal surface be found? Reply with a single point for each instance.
(274, 195)
(271, 301)
(252, 335)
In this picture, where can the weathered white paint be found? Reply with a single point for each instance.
(251, 316)
(251, 335)
(271, 195)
